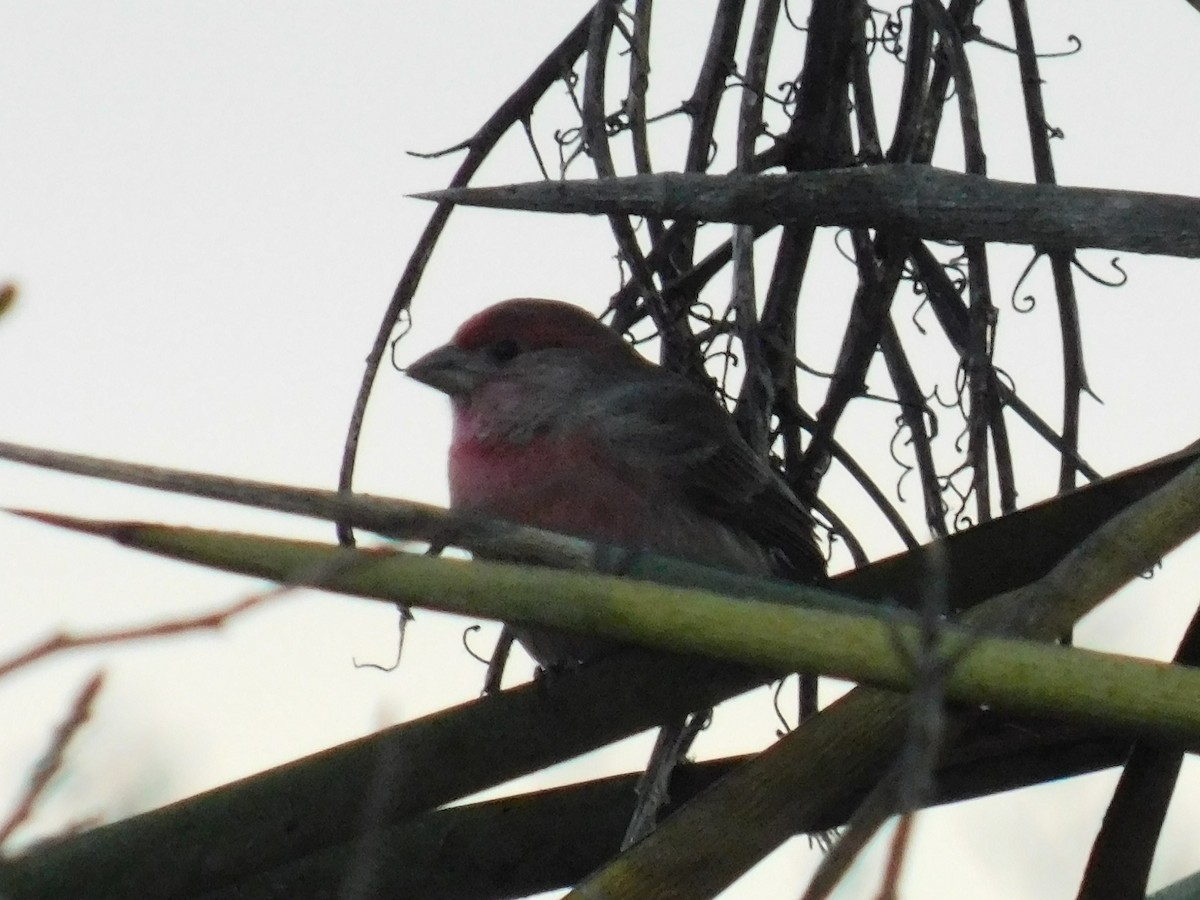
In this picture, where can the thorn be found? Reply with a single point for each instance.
(119, 531)
(446, 195)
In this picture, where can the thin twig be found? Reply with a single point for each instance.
(1074, 374)
(913, 411)
(952, 316)
(65, 641)
(679, 353)
(915, 93)
(52, 760)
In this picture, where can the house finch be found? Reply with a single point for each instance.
(559, 423)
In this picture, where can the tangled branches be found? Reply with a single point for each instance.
(804, 94)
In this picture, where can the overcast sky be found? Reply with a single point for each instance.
(204, 205)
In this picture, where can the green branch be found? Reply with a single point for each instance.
(854, 742)
(1121, 693)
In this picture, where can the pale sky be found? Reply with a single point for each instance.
(204, 205)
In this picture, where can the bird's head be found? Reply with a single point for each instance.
(491, 343)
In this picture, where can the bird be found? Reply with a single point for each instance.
(558, 422)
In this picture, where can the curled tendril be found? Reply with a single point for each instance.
(830, 537)
(960, 384)
(838, 237)
(871, 39)
(1076, 46)
(920, 306)
(1027, 303)
(571, 146)
(729, 360)
(404, 323)
(787, 12)
(401, 628)
(932, 424)
(785, 726)
(961, 520)
(736, 79)
(1005, 378)
(936, 396)
(702, 311)
(568, 137)
(616, 122)
(975, 33)
(1054, 132)
(897, 438)
(715, 328)
(1115, 263)
(955, 267)
(653, 334)
(466, 642)
(888, 35)
(569, 141)
(570, 80)
(791, 95)
(958, 441)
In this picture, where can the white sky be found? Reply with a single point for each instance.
(204, 206)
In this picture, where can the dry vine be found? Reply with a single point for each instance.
(811, 114)
(822, 117)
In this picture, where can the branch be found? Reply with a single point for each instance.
(513, 846)
(1124, 694)
(846, 748)
(52, 760)
(1119, 864)
(921, 201)
(223, 836)
(982, 561)
(1074, 374)
(220, 837)
(62, 642)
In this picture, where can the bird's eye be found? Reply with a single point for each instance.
(504, 350)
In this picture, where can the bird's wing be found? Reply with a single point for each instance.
(682, 434)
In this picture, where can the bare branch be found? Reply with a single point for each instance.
(52, 760)
(62, 642)
(920, 201)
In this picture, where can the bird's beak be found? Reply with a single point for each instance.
(449, 369)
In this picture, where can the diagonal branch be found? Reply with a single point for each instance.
(845, 748)
(1074, 374)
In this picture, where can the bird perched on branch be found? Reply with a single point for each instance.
(559, 423)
